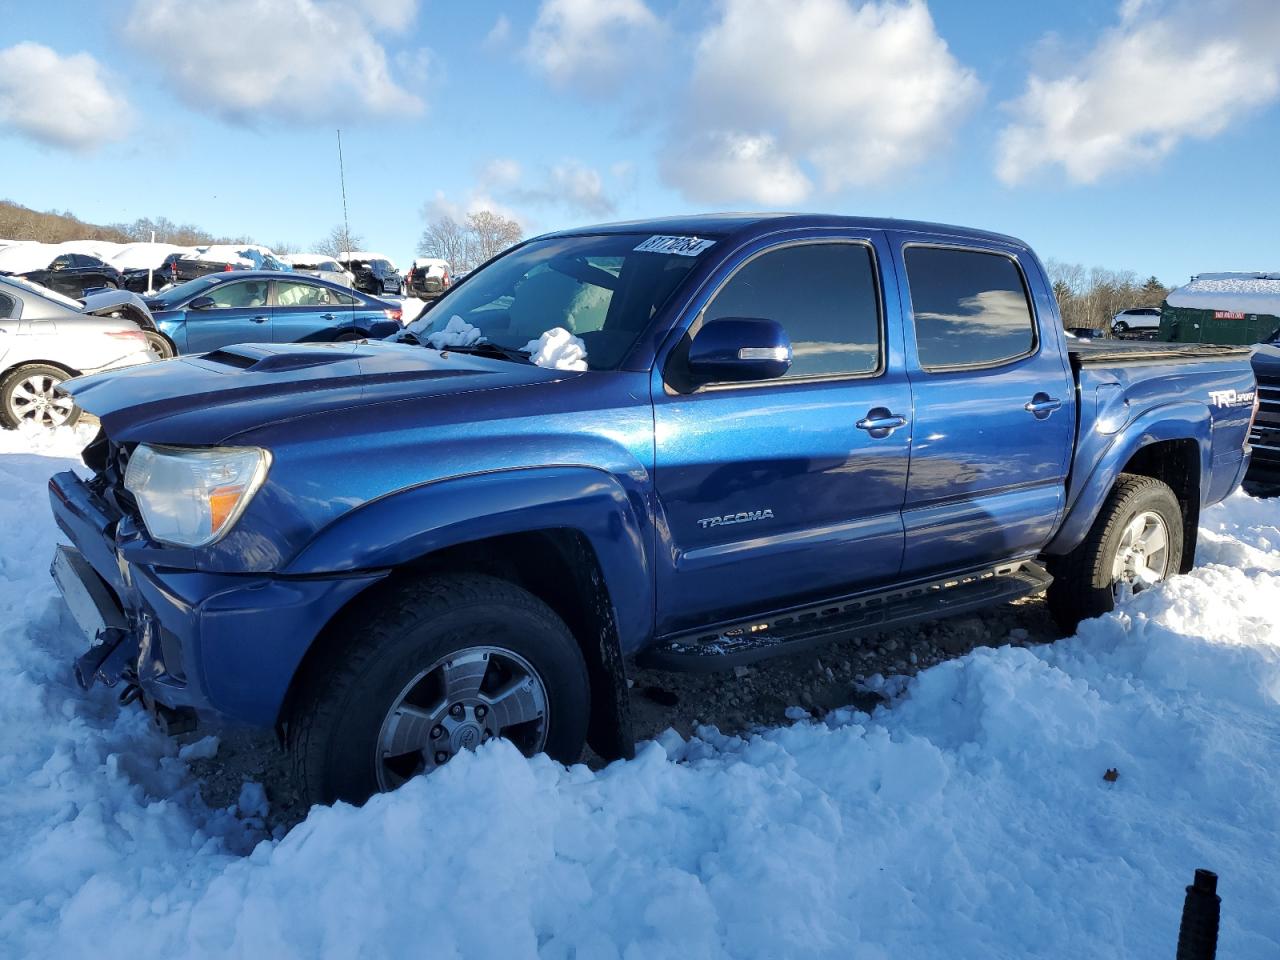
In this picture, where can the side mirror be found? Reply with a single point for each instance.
(202, 303)
(738, 349)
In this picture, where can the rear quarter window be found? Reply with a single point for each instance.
(969, 308)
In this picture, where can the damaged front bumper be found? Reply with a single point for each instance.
(190, 641)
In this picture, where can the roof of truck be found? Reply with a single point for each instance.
(730, 224)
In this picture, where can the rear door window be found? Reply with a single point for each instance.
(969, 307)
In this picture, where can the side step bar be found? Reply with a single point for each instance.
(790, 631)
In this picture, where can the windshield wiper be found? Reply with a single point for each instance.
(406, 337)
(486, 349)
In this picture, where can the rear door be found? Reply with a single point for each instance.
(306, 311)
(771, 493)
(241, 314)
(994, 404)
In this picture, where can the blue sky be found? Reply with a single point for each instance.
(1141, 134)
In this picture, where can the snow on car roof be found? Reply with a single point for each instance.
(43, 291)
(102, 249)
(431, 262)
(27, 256)
(1239, 292)
(366, 255)
(307, 259)
(145, 256)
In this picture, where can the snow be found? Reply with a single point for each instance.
(457, 333)
(202, 749)
(433, 264)
(557, 349)
(967, 819)
(411, 308)
(348, 255)
(145, 256)
(1236, 292)
(26, 257)
(102, 249)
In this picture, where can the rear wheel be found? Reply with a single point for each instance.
(159, 345)
(28, 395)
(1135, 543)
(441, 666)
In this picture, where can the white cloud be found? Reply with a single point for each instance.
(592, 44)
(724, 165)
(290, 60)
(1165, 74)
(567, 188)
(499, 33)
(59, 101)
(858, 92)
(574, 187)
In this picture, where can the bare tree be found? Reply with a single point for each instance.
(446, 239)
(484, 235)
(491, 233)
(1089, 298)
(339, 240)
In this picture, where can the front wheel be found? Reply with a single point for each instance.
(29, 395)
(1120, 329)
(1135, 543)
(440, 666)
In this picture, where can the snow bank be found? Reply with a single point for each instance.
(1236, 292)
(558, 349)
(969, 819)
(457, 333)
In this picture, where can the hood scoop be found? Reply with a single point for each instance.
(268, 361)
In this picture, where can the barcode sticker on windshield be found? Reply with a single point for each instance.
(683, 246)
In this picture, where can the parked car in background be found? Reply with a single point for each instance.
(373, 273)
(774, 431)
(70, 274)
(224, 258)
(266, 307)
(1136, 322)
(46, 339)
(318, 265)
(427, 278)
(148, 266)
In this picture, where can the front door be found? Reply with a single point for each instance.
(994, 407)
(240, 314)
(783, 492)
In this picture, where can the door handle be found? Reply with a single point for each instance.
(327, 316)
(1041, 405)
(879, 422)
(258, 319)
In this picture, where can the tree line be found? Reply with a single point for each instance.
(1088, 297)
(480, 236)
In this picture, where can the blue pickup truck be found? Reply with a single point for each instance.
(787, 429)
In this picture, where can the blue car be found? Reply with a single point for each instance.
(264, 306)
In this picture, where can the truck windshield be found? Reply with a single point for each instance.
(602, 289)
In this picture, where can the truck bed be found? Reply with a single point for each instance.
(1113, 351)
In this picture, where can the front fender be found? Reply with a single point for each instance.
(412, 523)
(1184, 420)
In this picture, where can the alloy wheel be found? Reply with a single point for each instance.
(34, 400)
(1142, 555)
(456, 704)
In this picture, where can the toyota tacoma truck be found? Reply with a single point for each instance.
(773, 431)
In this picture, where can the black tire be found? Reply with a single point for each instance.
(1120, 329)
(159, 345)
(1083, 584)
(9, 385)
(333, 729)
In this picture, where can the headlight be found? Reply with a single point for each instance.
(192, 497)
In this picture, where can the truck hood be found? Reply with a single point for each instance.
(212, 397)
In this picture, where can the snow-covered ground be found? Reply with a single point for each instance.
(969, 818)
